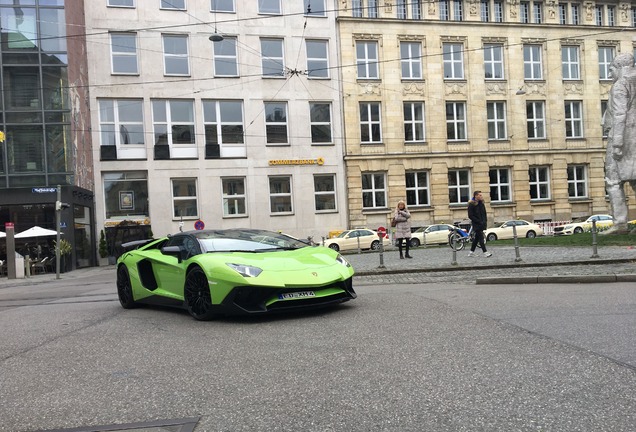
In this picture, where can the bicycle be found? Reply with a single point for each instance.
(458, 238)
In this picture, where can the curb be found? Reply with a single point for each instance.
(557, 279)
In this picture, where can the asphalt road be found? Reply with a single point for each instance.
(401, 357)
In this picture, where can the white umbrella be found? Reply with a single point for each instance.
(36, 231)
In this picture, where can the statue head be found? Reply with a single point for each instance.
(620, 61)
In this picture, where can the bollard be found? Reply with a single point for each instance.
(323, 240)
(594, 248)
(454, 261)
(514, 235)
(359, 249)
(381, 251)
(27, 266)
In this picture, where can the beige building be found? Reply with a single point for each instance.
(241, 130)
(447, 97)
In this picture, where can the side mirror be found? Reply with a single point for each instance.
(174, 251)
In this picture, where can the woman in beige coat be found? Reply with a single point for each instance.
(402, 219)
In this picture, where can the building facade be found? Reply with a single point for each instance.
(218, 113)
(447, 97)
(45, 124)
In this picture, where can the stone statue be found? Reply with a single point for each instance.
(619, 124)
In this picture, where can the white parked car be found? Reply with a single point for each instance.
(350, 239)
(505, 230)
(579, 225)
(435, 234)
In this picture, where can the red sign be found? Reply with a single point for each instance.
(199, 225)
(382, 232)
(9, 225)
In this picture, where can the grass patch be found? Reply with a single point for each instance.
(583, 239)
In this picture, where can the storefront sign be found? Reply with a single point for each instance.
(44, 190)
(319, 161)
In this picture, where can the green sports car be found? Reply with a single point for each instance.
(212, 273)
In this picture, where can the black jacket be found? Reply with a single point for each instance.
(477, 214)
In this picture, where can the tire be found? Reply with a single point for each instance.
(124, 289)
(375, 245)
(334, 247)
(531, 234)
(491, 237)
(415, 242)
(578, 230)
(196, 295)
(456, 241)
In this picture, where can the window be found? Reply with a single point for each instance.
(223, 121)
(458, 186)
(577, 181)
(458, 11)
(598, 15)
(317, 59)
(535, 119)
(400, 6)
(121, 3)
(173, 4)
(123, 48)
(126, 194)
(173, 122)
(121, 122)
(496, 113)
(367, 60)
(271, 7)
(576, 16)
(373, 8)
(532, 67)
(573, 119)
(356, 8)
(414, 130)
(605, 57)
(417, 188)
(611, 16)
(485, 10)
(272, 59)
(373, 190)
(493, 61)
(603, 109)
(524, 12)
(184, 198)
(234, 197)
(537, 13)
(539, 180)
(499, 8)
(500, 185)
(411, 60)
(280, 194)
(175, 55)
(325, 192)
(225, 58)
(222, 6)
(563, 13)
(314, 8)
(456, 121)
(370, 126)
(444, 10)
(320, 122)
(416, 9)
(453, 55)
(276, 122)
(570, 62)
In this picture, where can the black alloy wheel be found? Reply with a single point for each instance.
(196, 294)
(124, 288)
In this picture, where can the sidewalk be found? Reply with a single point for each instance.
(435, 264)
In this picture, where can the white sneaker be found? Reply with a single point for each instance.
(471, 254)
(487, 254)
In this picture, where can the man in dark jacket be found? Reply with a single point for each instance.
(479, 219)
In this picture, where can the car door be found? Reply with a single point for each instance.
(171, 271)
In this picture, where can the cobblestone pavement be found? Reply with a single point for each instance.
(435, 264)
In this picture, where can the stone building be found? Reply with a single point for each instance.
(447, 97)
(217, 114)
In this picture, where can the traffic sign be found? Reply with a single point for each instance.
(199, 225)
(382, 232)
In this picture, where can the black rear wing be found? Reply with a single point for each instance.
(135, 244)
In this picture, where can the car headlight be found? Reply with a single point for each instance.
(245, 270)
(343, 261)
(568, 227)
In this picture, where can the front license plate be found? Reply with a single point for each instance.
(295, 295)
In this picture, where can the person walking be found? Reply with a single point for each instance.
(479, 219)
(402, 219)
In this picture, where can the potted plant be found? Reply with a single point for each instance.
(103, 249)
(65, 252)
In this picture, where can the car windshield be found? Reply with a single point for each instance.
(246, 240)
(580, 219)
(421, 229)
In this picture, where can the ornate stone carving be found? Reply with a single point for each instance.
(413, 88)
(497, 88)
(455, 88)
(370, 89)
(573, 88)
